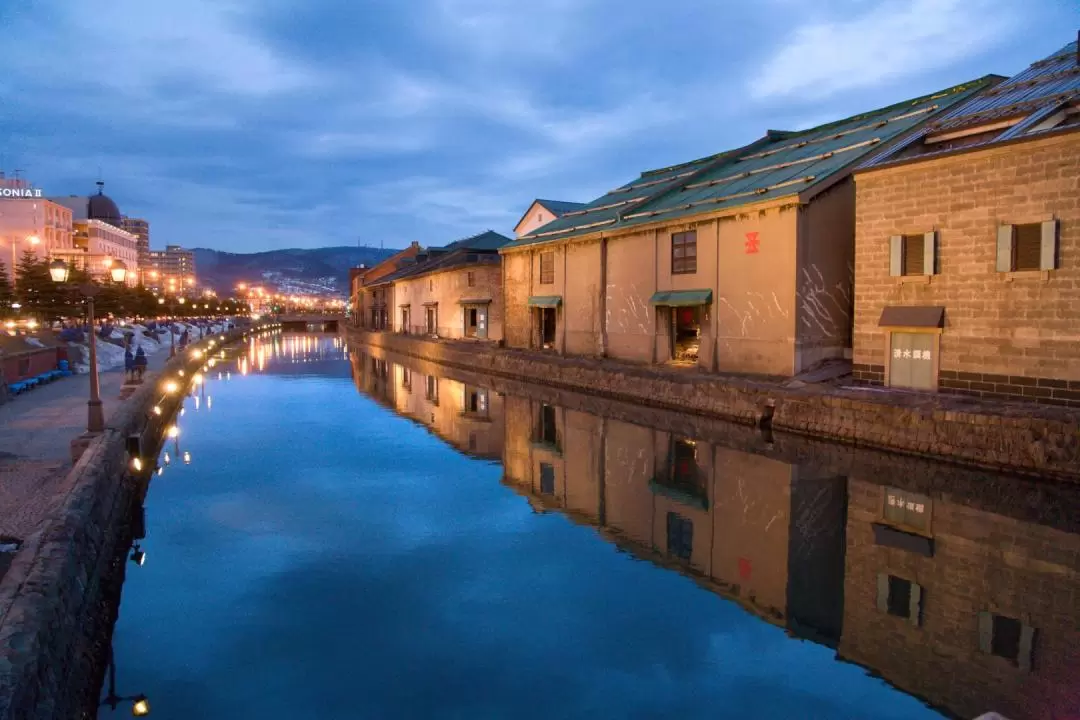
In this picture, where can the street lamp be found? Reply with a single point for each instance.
(140, 705)
(59, 272)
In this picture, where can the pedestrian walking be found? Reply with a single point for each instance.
(140, 363)
(129, 364)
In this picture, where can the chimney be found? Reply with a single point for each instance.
(415, 244)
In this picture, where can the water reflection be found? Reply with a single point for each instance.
(960, 588)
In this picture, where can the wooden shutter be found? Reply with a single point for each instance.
(929, 249)
(1004, 248)
(915, 605)
(896, 255)
(1027, 647)
(1048, 247)
(883, 592)
(986, 632)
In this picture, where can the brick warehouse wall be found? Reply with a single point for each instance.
(1012, 335)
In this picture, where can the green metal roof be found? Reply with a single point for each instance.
(777, 165)
(681, 298)
(545, 301)
(1029, 97)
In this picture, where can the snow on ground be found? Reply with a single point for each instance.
(111, 355)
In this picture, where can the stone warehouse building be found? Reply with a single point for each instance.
(967, 262)
(369, 309)
(738, 262)
(449, 292)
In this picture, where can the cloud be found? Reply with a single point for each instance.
(547, 30)
(254, 124)
(887, 41)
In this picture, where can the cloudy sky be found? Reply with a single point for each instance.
(260, 124)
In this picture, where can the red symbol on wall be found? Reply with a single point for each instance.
(744, 567)
(752, 243)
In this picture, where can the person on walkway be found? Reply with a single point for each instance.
(140, 363)
(129, 364)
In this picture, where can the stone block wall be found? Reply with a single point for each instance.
(1041, 441)
(1011, 335)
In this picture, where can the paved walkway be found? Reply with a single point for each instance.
(36, 430)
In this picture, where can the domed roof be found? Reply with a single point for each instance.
(101, 207)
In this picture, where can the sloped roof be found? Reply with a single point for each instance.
(476, 250)
(487, 240)
(557, 208)
(777, 165)
(560, 207)
(1029, 98)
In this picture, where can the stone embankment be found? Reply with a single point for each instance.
(60, 596)
(1017, 438)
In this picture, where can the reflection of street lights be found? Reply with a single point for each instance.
(59, 271)
(140, 706)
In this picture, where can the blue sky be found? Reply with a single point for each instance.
(246, 125)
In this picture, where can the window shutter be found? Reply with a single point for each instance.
(986, 632)
(1048, 247)
(915, 605)
(896, 255)
(1004, 248)
(929, 249)
(1027, 647)
(883, 592)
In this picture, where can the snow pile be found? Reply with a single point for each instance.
(109, 356)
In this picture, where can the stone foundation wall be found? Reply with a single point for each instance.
(1043, 441)
(60, 597)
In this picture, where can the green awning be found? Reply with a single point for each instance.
(681, 298)
(545, 301)
(690, 499)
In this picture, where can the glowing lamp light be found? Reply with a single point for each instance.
(173, 431)
(136, 464)
(187, 457)
(180, 373)
(196, 353)
(58, 271)
(197, 379)
(141, 707)
(171, 387)
(157, 410)
(118, 271)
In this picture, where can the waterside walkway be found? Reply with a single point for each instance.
(36, 430)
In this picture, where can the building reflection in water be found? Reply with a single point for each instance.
(960, 588)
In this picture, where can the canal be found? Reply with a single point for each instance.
(340, 533)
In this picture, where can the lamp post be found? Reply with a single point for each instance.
(140, 706)
(59, 271)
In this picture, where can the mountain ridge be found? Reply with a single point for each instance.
(320, 271)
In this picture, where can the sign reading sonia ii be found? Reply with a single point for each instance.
(20, 192)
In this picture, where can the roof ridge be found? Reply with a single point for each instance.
(985, 79)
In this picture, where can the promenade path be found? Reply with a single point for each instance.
(36, 430)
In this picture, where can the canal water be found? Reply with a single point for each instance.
(340, 533)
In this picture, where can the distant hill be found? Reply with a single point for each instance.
(319, 270)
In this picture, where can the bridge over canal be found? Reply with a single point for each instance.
(311, 322)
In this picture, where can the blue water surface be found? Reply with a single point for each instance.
(322, 557)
